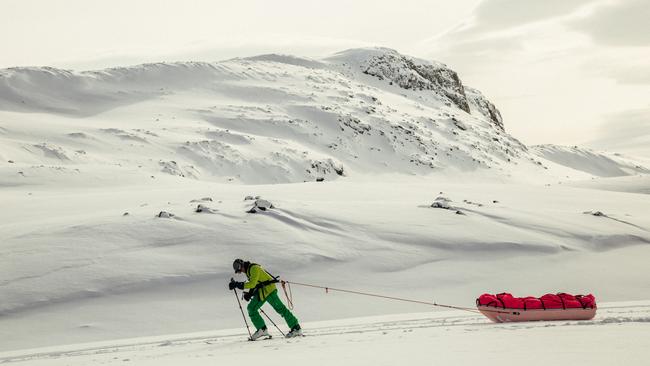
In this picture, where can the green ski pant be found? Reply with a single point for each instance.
(273, 299)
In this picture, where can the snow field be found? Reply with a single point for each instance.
(450, 338)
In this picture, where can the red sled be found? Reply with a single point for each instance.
(504, 307)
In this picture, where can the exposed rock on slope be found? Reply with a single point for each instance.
(482, 105)
(409, 72)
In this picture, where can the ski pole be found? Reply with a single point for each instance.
(242, 314)
(272, 322)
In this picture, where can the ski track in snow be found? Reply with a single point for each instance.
(321, 339)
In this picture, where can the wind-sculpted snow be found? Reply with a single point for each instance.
(289, 60)
(378, 228)
(87, 93)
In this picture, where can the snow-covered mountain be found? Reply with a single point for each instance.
(264, 119)
(102, 174)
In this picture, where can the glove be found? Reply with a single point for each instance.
(234, 284)
(247, 295)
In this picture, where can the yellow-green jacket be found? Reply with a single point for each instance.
(257, 274)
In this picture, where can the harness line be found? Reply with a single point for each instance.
(289, 296)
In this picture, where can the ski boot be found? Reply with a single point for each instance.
(262, 332)
(295, 332)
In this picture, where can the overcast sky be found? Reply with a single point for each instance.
(561, 71)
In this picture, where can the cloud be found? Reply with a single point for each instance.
(215, 50)
(623, 23)
(626, 65)
(627, 71)
(627, 131)
(472, 53)
(501, 29)
(494, 15)
(551, 82)
(638, 74)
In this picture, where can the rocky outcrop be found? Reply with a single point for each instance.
(411, 73)
(415, 74)
(480, 103)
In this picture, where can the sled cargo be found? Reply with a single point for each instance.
(504, 307)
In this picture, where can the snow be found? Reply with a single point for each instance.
(126, 276)
(449, 338)
(351, 165)
(599, 164)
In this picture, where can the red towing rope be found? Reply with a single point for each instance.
(286, 287)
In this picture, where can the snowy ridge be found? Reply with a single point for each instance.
(289, 60)
(600, 164)
(47, 89)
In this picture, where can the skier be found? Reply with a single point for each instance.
(261, 288)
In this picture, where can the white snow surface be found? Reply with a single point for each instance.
(352, 163)
(447, 338)
(599, 164)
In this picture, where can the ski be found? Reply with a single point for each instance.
(260, 339)
(271, 337)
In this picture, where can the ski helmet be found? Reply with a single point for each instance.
(238, 265)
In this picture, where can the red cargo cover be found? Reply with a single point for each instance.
(548, 301)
